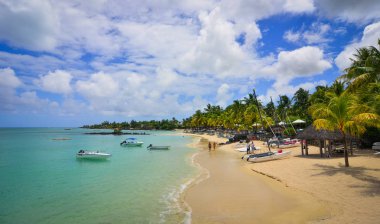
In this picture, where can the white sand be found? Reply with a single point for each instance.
(310, 188)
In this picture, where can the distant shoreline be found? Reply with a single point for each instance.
(117, 133)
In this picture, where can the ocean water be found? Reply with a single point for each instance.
(41, 181)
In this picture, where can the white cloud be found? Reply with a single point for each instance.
(292, 36)
(26, 64)
(30, 24)
(315, 34)
(302, 62)
(216, 51)
(350, 10)
(98, 86)
(299, 6)
(371, 34)
(8, 79)
(248, 10)
(12, 101)
(223, 95)
(166, 77)
(56, 82)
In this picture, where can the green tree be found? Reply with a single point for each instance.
(345, 114)
(301, 103)
(364, 69)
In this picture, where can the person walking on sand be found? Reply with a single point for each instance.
(214, 145)
(209, 146)
(248, 148)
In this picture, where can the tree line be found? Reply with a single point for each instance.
(351, 105)
(164, 124)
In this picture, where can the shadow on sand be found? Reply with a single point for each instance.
(373, 183)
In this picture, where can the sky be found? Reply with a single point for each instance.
(70, 63)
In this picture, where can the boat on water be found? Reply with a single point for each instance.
(267, 156)
(131, 142)
(158, 147)
(84, 154)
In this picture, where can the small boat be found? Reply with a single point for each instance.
(84, 154)
(242, 149)
(131, 142)
(289, 143)
(150, 147)
(267, 156)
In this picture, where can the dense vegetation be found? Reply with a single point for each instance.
(351, 105)
(140, 125)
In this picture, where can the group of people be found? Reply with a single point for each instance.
(250, 147)
(210, 146)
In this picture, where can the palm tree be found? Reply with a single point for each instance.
(338, 87)
(345, 114)
(235, 114)
(365, 68)
(319, 96)
(301, 103)
(283, 106)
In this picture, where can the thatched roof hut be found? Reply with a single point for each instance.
(310, 133)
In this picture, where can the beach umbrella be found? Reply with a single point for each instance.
(299, 121)
(282, 123)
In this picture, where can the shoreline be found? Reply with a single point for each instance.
(287, 179)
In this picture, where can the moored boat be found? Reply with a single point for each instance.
(84, 154)
(267, 156)
(158, 147)
(131, 142)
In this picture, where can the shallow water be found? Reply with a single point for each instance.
(43, 182)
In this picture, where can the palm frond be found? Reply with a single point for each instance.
(354, 129)
(324, 124)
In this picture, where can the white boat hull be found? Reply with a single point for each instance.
(132, 144)
(274, 156)
(93, 155)
(242, 149)
(289, 146)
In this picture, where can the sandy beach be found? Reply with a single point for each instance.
(292, 190)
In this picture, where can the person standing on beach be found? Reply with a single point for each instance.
(214, 145)
(253, 148)
(248, 148)
(209, 146)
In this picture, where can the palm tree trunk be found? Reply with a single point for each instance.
(345, 153)
(351, 148)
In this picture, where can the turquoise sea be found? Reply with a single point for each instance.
(41, 181)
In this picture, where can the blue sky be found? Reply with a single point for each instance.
(69, 63)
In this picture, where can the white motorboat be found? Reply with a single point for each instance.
(84, 154)
(267, 156)
(131, 142)
(244, 149)
(162, 147)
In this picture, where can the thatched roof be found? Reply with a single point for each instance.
(311, 133)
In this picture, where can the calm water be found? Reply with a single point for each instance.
(41, 181)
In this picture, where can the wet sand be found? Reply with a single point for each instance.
(232, 193)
